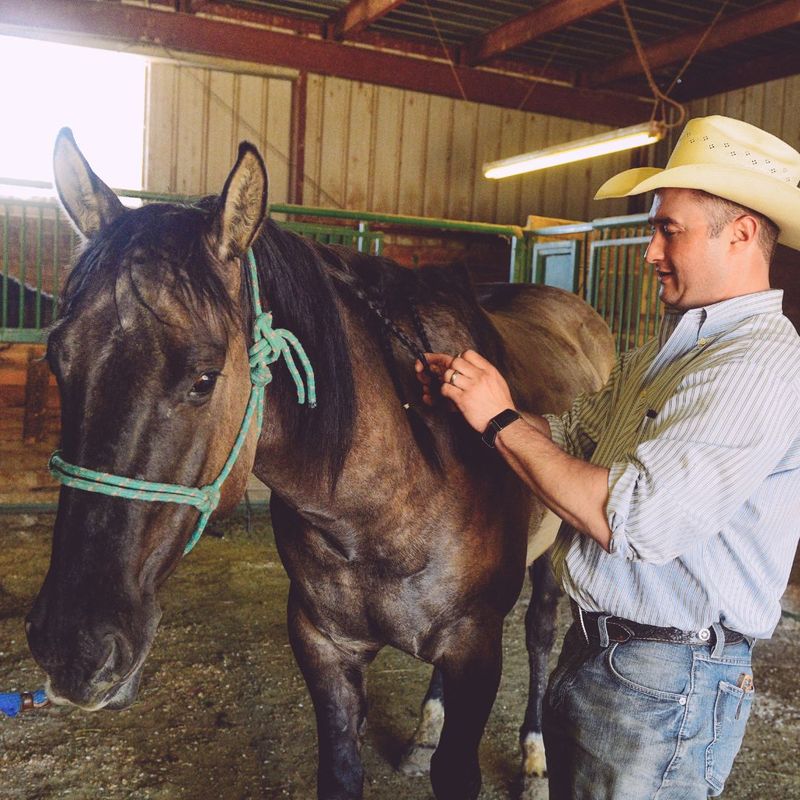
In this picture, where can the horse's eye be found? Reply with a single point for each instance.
(204, 385)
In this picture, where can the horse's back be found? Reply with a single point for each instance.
(557, 346)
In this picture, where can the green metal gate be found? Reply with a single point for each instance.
(37, 242)
(602, 261)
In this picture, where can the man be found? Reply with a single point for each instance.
(678, 482)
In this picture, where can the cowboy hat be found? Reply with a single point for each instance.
(730, 159)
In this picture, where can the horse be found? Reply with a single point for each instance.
(21, 302)
(395, 523)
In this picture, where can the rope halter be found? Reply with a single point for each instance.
(269, 344)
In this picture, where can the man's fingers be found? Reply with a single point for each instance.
(476, 359)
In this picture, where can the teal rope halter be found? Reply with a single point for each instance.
(269, 344)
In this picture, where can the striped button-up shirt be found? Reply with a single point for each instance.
(700, 429)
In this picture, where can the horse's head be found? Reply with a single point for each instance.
(150, 353)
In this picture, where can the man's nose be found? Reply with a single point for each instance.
(655, 250)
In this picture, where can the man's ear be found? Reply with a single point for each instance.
(745, 229)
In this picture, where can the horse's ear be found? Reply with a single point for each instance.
(242, 205)
(90, 204)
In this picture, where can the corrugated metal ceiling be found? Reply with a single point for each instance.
(578, 48)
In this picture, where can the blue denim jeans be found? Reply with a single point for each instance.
(641, 719)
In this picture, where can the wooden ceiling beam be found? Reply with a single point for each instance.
(358, 15)
(728, 31)
(758, 70)
(380, 40)
(177, 32)
(533, 25)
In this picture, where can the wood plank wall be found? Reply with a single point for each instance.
(773, 106)
(367, 147)
(388, 150)
(29, 425)
(196, 118)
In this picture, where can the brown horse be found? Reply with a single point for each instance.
(395, 524)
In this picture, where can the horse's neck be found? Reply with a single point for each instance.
(383, 455)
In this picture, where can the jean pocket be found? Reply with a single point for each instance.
(657, 670)
(731, 710)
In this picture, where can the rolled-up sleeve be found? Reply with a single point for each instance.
(716, 439)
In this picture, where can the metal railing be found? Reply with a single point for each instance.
(602, 261)
(37, 242)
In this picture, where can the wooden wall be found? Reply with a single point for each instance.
(400, 152)
(196, 118)
(773, 106)
(367, 147)
(29, 425)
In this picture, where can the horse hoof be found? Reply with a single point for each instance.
(534, 764)
(534, 788)
(417, 760)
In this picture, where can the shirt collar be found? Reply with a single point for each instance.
(719, 317)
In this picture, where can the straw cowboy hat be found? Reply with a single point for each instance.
(730, 159)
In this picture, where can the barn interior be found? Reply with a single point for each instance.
(375, 118)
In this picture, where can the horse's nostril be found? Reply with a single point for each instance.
(114, 664)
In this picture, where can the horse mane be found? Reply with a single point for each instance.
(302, 282)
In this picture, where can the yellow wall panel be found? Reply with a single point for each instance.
(196, 118)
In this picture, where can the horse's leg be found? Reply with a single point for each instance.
(540, 634)
(470, 675)
(334, 675)
(417, 758)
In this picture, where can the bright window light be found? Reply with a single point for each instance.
(98, 93)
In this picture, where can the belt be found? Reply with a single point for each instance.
(621, 630)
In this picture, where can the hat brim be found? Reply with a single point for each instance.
(771, 197)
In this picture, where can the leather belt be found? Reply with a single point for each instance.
(621, 630)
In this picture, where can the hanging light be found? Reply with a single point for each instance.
(590, 147)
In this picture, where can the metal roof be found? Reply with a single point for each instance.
(579, 55)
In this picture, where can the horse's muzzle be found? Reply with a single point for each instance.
(91, 668)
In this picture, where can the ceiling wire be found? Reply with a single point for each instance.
(534, 83)
(697, 47)
(662, 99)
(446, 52)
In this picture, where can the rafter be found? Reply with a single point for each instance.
(757, 70)
(730, 30)
(358, 15)
(188, 33)
(533, 25)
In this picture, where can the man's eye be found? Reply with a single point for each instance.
(204, 385)
(664, 230)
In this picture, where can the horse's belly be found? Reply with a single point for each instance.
(541, 537)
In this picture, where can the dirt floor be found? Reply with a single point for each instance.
(223, 712)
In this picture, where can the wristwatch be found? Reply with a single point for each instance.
(497, 423)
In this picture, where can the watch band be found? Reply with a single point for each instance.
(497, 423)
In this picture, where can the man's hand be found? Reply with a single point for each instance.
(476, 388)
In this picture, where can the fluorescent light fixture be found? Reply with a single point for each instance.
(592, 146)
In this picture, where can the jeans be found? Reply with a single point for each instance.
(641, 719)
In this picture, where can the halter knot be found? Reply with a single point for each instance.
(210, 499)
(268, 346)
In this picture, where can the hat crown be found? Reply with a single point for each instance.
(723, 141)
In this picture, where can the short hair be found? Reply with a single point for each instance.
(721, 211)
